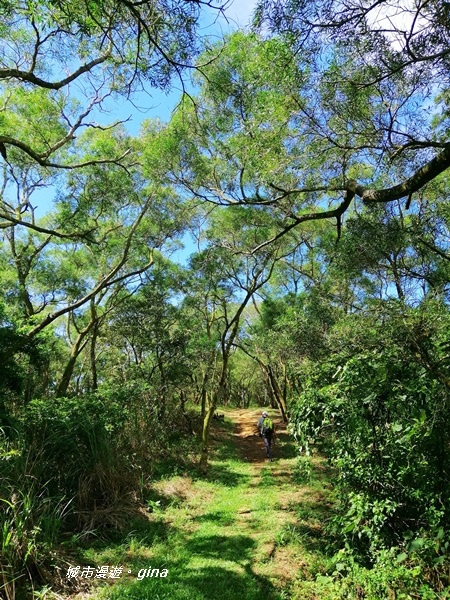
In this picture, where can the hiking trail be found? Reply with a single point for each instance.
(227, 535)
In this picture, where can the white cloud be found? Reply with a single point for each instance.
(398, 20)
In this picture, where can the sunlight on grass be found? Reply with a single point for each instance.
(241, 532)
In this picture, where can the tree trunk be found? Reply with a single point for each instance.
(204, 396)
(77, 347)
(185, 413)
(95, 327)
(275, 388)
(216, 399)
(205, 437)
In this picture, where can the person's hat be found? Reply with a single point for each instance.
(265, 414)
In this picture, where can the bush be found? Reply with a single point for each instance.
(381, 413)
(76, 466)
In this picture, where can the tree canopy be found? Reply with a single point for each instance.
(307, 173)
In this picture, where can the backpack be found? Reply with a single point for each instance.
(267, 428)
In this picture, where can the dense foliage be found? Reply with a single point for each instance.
(310, 172)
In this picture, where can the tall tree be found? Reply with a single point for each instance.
(391, 56)
(230, 275)
(304, 136)
(64, 51)
(100, 239)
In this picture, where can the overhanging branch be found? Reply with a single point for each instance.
(335, 213)
(422, 176)
(41, 158)
(30, 77)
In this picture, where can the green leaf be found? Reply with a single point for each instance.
(324, 579)
(416, 544)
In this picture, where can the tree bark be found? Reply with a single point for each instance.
(217, 398)
(277, 394)
(77, 348)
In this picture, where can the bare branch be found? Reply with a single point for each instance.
(106, 281)
(12, 221)
(30, 77)
(326, 214)
(41, 158)
(434, 248)
(422, 176)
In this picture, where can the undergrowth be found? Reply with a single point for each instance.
(71, 471)
(244, 530)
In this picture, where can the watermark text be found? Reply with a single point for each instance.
(112, 572)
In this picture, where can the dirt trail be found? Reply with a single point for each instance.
(279, 563)
(246, 436)
(242, 525)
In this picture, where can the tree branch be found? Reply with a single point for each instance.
(30, 77)
(11, 221)
(422, 176)
(41, 158)
(106, 281)
(326, 214)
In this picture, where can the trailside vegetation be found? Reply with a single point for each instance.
(309, 171)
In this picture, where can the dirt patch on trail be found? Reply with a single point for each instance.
(277, 561)
(251, 447)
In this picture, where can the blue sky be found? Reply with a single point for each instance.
(156, 104)
(238, 15)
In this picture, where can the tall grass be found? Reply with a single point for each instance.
(70, 467)
(30, 518)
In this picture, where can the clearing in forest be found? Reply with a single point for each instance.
(250, 529)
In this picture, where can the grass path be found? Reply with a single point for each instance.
(246, 531)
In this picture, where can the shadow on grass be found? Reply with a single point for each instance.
(223, 446)
(313, 517)
(236, 548)
(156, 499)
(267, 477)
(224, 475)
(313, 513)
(200, 581)
(219, 518)
(130, 548)
(284, 446)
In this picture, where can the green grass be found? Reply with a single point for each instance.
(220, 536)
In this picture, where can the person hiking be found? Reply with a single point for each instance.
(266, 432)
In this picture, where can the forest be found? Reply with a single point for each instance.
(281, 241)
